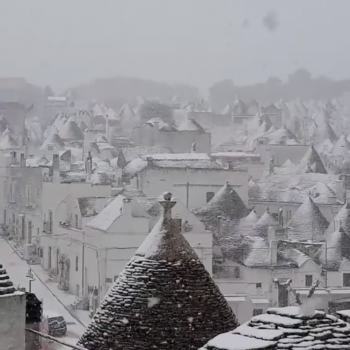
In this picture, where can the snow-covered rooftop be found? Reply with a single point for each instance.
(291, 327)
(132, 153)
(285, 188)
(91, 206)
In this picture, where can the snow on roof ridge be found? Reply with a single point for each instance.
(190, 125)
(288, 163)
(176, 156)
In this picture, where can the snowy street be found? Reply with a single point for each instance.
(17, 270)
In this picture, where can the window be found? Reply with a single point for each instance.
(237, 272)
(77, 290)
(23, 228)
(238, 120)
(346, 279)
(257, 312)
(258, 285)
(76, 221)
(289, 215)
(209, 196)
(49, 228)
(38, 231)
(13, 191)
(76, 263)
(49, 258)
(28, 194)
(308, 280)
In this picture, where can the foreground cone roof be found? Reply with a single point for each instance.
(290, 327)
(164, 298)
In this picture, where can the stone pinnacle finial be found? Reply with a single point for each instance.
(167, 201)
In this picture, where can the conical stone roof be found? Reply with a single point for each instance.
(8, 142)
(308, 223)
(311, 160)
(342, 219)
(334, 250)
(6, 286)
(225, 205)
(291, 327)
(247, 224)
(341, 147)
(71, 131)
(54, 139)
(164, 298)
(263, 224)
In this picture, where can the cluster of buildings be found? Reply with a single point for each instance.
(262, 196)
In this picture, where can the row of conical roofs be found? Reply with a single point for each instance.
(164, 298)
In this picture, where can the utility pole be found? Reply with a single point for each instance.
(326, 267)
(187, 187)
(31, 279)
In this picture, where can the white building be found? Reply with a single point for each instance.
(192, 177)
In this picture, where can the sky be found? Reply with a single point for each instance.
(67, 42)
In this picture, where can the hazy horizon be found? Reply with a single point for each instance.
(197, 42)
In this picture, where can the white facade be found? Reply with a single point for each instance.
(12, 321)
(191, 186)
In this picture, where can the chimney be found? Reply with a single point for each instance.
(271, 233)
(280, 216)
(55, 162)
(56, 168)
(194, 147)
(339, 189)
(149, 160)
(22, 162)
(88, 167)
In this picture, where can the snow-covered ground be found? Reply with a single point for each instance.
(17, 270)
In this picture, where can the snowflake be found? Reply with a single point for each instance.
(153, 301)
